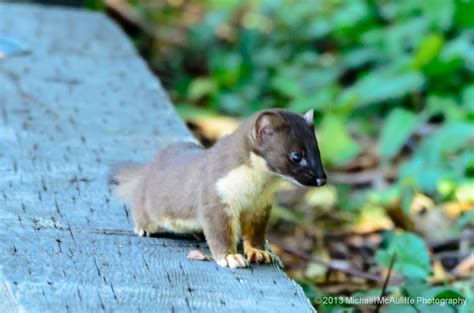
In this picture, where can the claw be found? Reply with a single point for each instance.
(259, 256)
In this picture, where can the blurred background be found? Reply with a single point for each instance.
(392, 86)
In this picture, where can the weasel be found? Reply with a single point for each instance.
(225, 190)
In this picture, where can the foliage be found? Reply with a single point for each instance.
(412, 256)
(393, 136)
(371, 69)
(418, 289)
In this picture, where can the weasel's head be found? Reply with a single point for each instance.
(287, 142)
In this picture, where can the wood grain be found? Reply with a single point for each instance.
(79, 101)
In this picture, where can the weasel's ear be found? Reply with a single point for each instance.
(266, 124)
(309, 118)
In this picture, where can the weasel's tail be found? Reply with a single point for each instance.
(126, 176)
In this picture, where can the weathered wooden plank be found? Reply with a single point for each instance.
(81, 100)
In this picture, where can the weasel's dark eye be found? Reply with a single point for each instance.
(296, 157)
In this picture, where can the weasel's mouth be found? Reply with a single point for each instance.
(304, 179)
(310, 180)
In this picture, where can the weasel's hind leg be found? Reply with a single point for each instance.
(141, 220)
(146, 230)
(143, 226)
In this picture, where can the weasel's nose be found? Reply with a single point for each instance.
(320, 181)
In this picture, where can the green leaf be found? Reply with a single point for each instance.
(459, 47)
(349, 14)
(226, 68)
(399, 308)
(468, 98)
(319, 100)
(412, 256)
(403, 34)
(360, 56)
(451, 137)
(428, 50)
(439, 12)
(443, 293)
(429, 293)
(232, 103)
(336, 145)
(285, 214)
(201, 87)
(378, 87)
(438, 157)
(463, 13)
(445, 105)
(435, 308)
(385, 197)
(415, 287)
(286, 86)
(465, 286)
(398, 127)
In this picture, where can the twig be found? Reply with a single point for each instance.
(364, 177)
(328, 235)
(310, 258)
(385, 283)
(452, 243)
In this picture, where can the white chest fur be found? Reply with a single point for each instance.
(249, 187)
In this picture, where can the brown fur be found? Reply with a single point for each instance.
(225, 189)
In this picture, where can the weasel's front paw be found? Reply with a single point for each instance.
(259, 256)
(233, 261)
